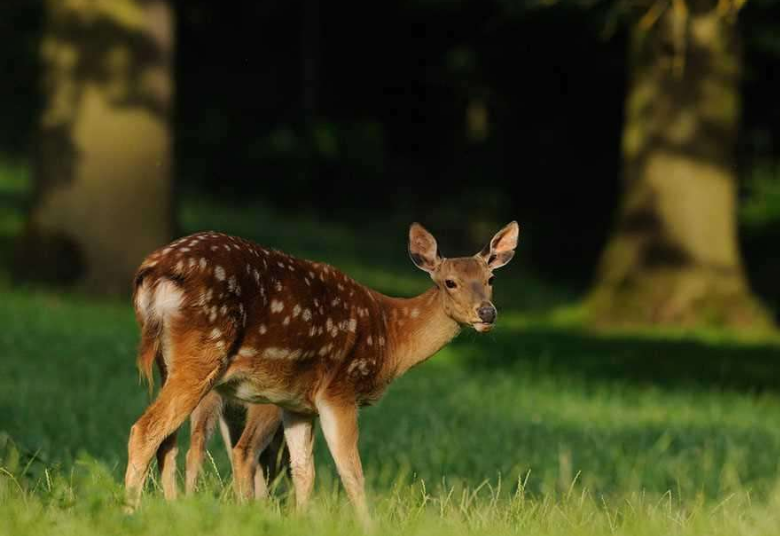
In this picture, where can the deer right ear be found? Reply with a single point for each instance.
(423, 249)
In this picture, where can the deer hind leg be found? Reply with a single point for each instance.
(167, 453)
(262, 421)
(192, 374)
(202, 424)
(299, 434)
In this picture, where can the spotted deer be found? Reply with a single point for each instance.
(221, 314)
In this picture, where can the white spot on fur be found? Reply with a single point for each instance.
(415, 313)
(278, 286)
(381, 341)
(296, 310)
(352, 326)
(247, 351)
(370, 341)
(203, 263)
(277, 306)
(286, 321)
(216, 333)
(276, 353)
(219, 273)
(232, 283)
(263, 329)
(306, 315)
(223, 310)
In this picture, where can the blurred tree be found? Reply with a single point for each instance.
(102, 175)
(674, 256)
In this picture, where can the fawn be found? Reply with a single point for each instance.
(219, 313)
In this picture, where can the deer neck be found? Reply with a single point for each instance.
(417, 328)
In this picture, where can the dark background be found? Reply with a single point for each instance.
(352, 109)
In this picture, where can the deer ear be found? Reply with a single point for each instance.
(501, 248)
(423, 249)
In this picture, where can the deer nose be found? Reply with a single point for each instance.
(487, 313)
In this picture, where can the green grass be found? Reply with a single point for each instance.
(540, 427)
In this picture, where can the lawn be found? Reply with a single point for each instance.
(541, 427)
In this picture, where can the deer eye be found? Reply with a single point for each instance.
(450, 283)
(490, 281)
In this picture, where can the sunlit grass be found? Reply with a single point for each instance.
(602, 439)
(540, 427)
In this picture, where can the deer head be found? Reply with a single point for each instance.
(466, 282)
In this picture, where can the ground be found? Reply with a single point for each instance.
(540, 427)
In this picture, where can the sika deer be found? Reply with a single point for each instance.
(256, 325)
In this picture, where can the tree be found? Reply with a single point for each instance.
(674, 256)
(102, 176)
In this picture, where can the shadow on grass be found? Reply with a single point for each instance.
(679, 362)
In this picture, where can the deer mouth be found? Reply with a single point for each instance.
(482, 327)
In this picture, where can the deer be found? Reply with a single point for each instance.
(293, 337)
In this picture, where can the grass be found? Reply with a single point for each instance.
(540, 427)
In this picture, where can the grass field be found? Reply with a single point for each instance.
(540, 427)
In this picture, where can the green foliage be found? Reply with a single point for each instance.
(761, 206)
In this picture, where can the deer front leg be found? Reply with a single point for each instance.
(299, 434)
(262, 421)
(340, 428)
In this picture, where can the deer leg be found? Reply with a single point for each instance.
(202, 423)
(166, 461)
(167, 453)
(177, 399)
(299, 434)
(262, 420)
(340, 428)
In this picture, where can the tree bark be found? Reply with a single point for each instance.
(674, 256)
(102, 197)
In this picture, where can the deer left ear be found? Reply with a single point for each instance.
(501, 248)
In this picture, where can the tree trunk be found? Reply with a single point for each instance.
(102, 197)
(674, 256)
